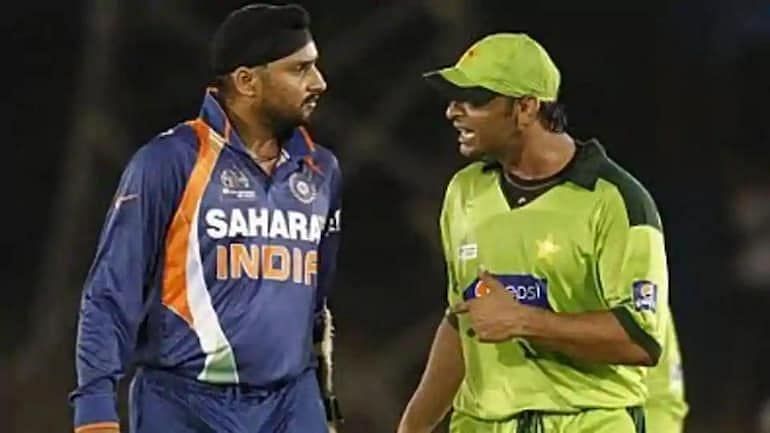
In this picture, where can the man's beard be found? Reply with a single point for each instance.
(283, 123)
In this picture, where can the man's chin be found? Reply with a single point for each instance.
(306, 114)
(469, 151)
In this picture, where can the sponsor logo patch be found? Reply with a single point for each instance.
(469, 252)
(236, 185)
(527, 289)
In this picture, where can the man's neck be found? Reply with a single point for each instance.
(260, 139)
(540, 156)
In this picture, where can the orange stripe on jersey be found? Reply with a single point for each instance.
(311, 145)
(97, 425)
(308, 139)
(174, 294)
(310, 162)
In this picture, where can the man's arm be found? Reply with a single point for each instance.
(595, 336)
(443, 375)
(113, 300)
(445, 369)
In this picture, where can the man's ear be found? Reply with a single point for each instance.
(247, 81)
(528, 109)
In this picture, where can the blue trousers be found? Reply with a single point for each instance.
(161, 402)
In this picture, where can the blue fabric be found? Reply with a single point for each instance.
(164, 403)
(268, 321)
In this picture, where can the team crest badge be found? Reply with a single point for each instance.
(302, 188)
(645, 295)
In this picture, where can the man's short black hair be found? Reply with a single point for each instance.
(258, 34)
(554, 116)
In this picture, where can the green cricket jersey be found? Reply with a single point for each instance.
(591, 242)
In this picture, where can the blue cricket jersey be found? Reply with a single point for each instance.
(206, 266)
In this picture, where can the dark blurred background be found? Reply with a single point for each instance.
(676, 91)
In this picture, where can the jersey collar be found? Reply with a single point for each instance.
(584, 171)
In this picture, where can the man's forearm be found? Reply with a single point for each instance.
(594, 337)
(442, 377)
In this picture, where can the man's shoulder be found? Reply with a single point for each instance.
(170, 151)
(618, 184)
(180, 139)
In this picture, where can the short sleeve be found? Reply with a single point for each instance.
(631, 264)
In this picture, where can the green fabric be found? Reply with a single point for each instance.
(220, 367)
(636, 333)
(511, 64)
(573, 246)
(661, 421)
(666, 406)
(590, 421)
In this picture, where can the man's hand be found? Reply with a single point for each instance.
(497, 315)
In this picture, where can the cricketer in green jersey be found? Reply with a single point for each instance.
(558, 284)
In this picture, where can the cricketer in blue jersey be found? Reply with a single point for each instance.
(214, 264)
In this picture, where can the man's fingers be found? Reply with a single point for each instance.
(490, 281)
(461, 308)
(484, 275)
(488, 278)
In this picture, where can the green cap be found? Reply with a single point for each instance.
(511, 64)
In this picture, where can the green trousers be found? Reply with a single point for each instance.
(627, 420)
